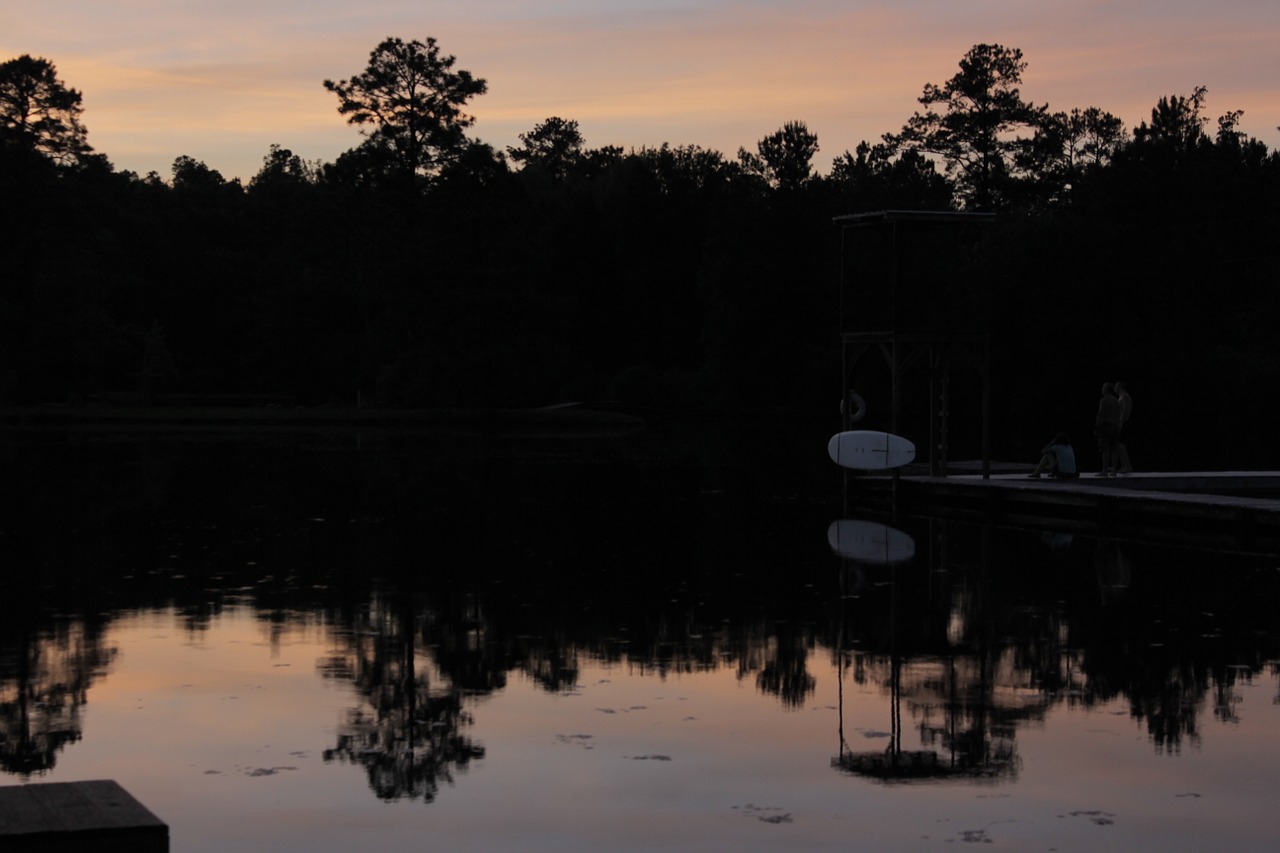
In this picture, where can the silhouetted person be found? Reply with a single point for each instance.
(1106, 426)
(1058, 459)
(1126, 408)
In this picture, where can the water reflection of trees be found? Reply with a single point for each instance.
(552, 566)
(45, 675)
(1174, 635)
(407, 733)
(979, 638)
(991, 632)
(783, 668)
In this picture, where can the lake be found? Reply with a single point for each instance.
(331, 640)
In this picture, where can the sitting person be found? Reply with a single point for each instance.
(1058, 459)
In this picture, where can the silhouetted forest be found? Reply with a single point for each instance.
(424, 268)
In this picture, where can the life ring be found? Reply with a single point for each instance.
(855, 407)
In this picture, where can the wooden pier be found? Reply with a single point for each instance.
(70, 817)
(1232, 510)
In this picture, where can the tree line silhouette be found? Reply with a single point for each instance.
(425, 268)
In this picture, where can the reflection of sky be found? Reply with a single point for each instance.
(220, 700)
(222, 81)
(221, 734)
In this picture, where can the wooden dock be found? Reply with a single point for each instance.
(1232, 510)
(70, 817)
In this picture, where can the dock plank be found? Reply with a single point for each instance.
(1232, 510)
(98, 816)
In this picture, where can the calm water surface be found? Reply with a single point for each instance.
(320, 642)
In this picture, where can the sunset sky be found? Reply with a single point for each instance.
(222, 80)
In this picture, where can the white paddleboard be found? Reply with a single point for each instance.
(870, 542)
(869, 450)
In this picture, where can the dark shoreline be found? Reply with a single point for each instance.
(562, 416)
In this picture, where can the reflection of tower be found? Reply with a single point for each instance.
(976, 737)
(892, 762)
(44, 680)
(867, 542)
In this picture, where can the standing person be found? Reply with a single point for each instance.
(1106, 426)
(1126, 409)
